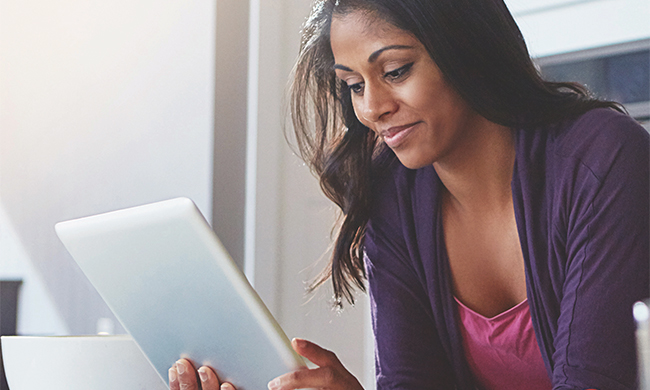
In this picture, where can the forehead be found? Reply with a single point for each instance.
(366, 22)
(363, 33)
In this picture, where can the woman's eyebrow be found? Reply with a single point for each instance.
(373, 57)
(342, 67)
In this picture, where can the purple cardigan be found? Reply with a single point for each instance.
(580, 192)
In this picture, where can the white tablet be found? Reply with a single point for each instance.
(172, 285)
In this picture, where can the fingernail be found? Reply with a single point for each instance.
(274, 384)
(172, 375)
(203, 374)
(226, 386)
(180, 367)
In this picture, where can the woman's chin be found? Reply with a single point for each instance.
(413, 160)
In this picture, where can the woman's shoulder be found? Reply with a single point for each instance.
(596, 130)
(599, 138)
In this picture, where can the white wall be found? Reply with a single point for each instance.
(103, 105)
(560, 26)
(37, 314)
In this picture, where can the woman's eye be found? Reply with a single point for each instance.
(399, 72)
(356, 88)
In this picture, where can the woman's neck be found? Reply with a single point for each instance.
(477, 176)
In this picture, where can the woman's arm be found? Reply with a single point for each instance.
(607, 263)
(408, 349)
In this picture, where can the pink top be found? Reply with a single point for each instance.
(502, 351)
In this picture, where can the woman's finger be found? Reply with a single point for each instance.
(315, 353)
(186, 375)
(183, 376)
(322, 377)
(330, 374)
(173, 378)
(209, 379)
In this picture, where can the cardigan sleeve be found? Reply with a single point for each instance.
(607, 258)
(408, 352)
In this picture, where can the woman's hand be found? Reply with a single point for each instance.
(330, 373)
(183, 376)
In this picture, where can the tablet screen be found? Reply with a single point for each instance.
(172, 285)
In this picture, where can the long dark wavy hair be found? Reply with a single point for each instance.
(481, 53)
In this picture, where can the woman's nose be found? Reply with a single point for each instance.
(378, 102)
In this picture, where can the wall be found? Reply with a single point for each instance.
(231, 85)
(103, 105)
(37, 313)
(559, 26)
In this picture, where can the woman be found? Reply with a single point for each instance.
(501, 221)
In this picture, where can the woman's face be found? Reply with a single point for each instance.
(397, 90)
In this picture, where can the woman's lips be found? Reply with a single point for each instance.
(394, 136)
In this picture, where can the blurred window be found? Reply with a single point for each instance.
(620, 73)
